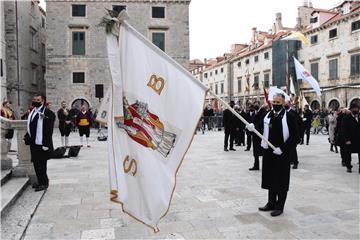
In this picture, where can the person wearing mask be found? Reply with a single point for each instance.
(40, 126)
(84, 122)
(280, 130)
(257, 122)
(308, 115)
(332, 116)
(64, 123)
(229, 124)
(350, 127)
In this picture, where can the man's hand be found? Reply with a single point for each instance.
(45, 148)
(277, 151)
(67, 122)
(250, 127)
(348, 142)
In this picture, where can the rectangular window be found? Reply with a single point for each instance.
(34, 39)
(158, 12)
(355, 65)
(333, 69)
(205, 75)
(216, 72)
(355, 25)
(256, 58)
(78, 77)
(222, 70)
(256, 82)
(34, 75)
(78, 43)
(239, 85)
(43, 22)
(222, 88)
(118, 8)
(333, 33)
(158, 38)
(247, 61)
(78, 10)
(210, 74)
(239, 64)
(313, 20)
(266, 80)
(314, 39)
(314, 68)
(216, 89)
(1, 68)
(266, 55)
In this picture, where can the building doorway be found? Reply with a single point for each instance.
(77, 103)
(315, 104)
(334, 104)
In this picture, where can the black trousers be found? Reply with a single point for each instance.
(64, 128)
(277, 199)
(342, 153)
(242, 137)
(84, 130)
(229, 133)
(307, 132)
(347, 156)
(39, 159)
(293, 156)
(248, 139)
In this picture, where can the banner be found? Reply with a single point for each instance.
(302, 73)
(155, 105)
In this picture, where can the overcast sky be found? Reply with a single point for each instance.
(216, 24)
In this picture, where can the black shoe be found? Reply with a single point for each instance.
(295, 166)
(35, 185)
(307, 143)
(226, 150)
(41, 188)
(276, 213)
(232, 149)
(349, 170)
(248, 149)
(343, 164)
(254, 168)
(267, 208)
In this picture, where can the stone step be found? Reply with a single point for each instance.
(11, 191)
(5, 176)
(19, 215)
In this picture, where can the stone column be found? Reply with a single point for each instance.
(6, 162)
(25, 167)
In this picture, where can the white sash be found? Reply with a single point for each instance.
(39, 127)
(285, 129)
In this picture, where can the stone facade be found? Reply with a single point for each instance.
(2, 52)
(25, 51)
(61, 62)
(345, 86)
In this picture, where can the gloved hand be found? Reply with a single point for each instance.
(277, 151)
(250, 127)
(45, 148)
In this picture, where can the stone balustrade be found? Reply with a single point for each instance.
(25, 167)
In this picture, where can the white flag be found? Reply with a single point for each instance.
(155, 106)
(302, 73)
(292, 87)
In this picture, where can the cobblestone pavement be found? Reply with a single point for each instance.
(216, 197)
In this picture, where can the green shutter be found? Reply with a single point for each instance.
(159, 40)
(78, 43)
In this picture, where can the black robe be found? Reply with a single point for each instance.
(276, 168)
(257, 119)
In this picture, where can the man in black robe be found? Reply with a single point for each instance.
(308, 116)
(256, 119)
(280, 129)
(350, 127)
(229, 123)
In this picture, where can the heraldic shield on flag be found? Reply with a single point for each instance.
(154, 107)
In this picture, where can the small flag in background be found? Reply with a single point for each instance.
(297, 36)
(154, 108)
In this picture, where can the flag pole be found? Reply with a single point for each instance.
(227, 106)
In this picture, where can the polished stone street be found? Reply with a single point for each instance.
(216, 197)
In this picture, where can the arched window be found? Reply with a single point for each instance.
(79, 102)
(356, 101)
(315, 104)
(334, 104)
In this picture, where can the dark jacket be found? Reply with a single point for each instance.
(309, 116)
(351, 132)
(229, 120)
(48, 128)
(258, 120)
(276, 169)
(299, 122)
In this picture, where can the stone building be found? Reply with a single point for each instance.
(24, 26)
(2, 52)
(333, 55)
(76, 44)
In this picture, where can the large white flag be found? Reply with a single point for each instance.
(302, 73)
(155, 105)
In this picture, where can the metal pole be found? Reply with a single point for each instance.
(241, 118)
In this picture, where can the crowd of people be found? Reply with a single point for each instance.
(40, 124)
